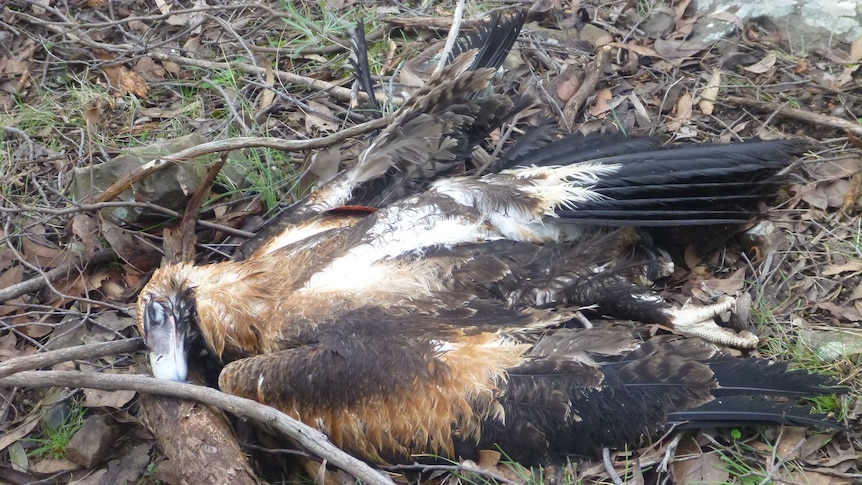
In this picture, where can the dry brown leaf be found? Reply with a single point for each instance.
(568, 82)
(698, 467)
(320, 118)
(676, 51)
(9, 437)
(148, 68)
(36, 249)
(488, 459)
(681, 112)
(637, 49)
(834, 269)
(763, 65)
(51, 466)
(601, 104)
(128, 247)
(710, 93)
(86, 228)
(809, 477)
(835, 192)
(856, 50)
(267, 95)
(12, 276)
(844, 312)
(813, 444)
(9, 348)
(126, 81)
(812, 196)
(728, 286)
(790, 446)
(97, 398)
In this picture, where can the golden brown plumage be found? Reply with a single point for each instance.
(443, 321)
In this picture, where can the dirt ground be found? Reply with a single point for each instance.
(91, 90)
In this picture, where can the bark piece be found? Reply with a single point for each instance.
(197, 441)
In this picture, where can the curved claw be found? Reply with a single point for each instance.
(698, 322)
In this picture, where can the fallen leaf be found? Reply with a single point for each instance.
(126, 81)
(18, 457)
(698, 467)
(710, 93)
(834, 269)
(856, 50)
(637, 49)
(488, 459)
(86, 228)
(601, 104)
(9, 437)
(681, 113)
(833, 169)
(51, 466)
(267, 95)
(809, 477)
(791, 443)
(325, 162)
(97, 398)
(568, 82)
(320, 118)
(727, 286)
(832, 344)
(763, 65)
(149, 70)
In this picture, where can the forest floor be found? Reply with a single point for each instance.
(90, 82)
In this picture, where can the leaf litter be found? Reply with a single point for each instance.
(804, 270)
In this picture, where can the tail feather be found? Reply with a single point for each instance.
(494, 40)
(732, 411)
(760, 376)
(359, 62)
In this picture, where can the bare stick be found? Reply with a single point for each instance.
(799, 114)
(453, 35)
(588, 87)
(314, 441)
(52, 357)
(217, 146)
(104, 205)
(60, 272)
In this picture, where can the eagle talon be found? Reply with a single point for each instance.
(698, 322)
(693, 315)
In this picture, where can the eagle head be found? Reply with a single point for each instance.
(166, 310)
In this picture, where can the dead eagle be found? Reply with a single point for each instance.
(440, 320)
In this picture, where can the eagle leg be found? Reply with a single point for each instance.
(693, 321)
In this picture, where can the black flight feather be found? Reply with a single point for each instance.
(746, 410)
(359, 62)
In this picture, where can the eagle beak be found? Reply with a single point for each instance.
(165, 335)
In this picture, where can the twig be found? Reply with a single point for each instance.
(49, 282)
(52, 357)
(588, 87)
(609, 467)
(314, 441)
(798, 114)
(105, 205)
(62, 271)
(217, 146)
(452, 37)
(451, 468)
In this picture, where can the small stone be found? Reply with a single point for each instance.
(92, 443)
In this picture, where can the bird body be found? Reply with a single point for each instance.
(439, 315)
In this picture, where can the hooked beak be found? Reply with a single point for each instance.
(165, 335)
